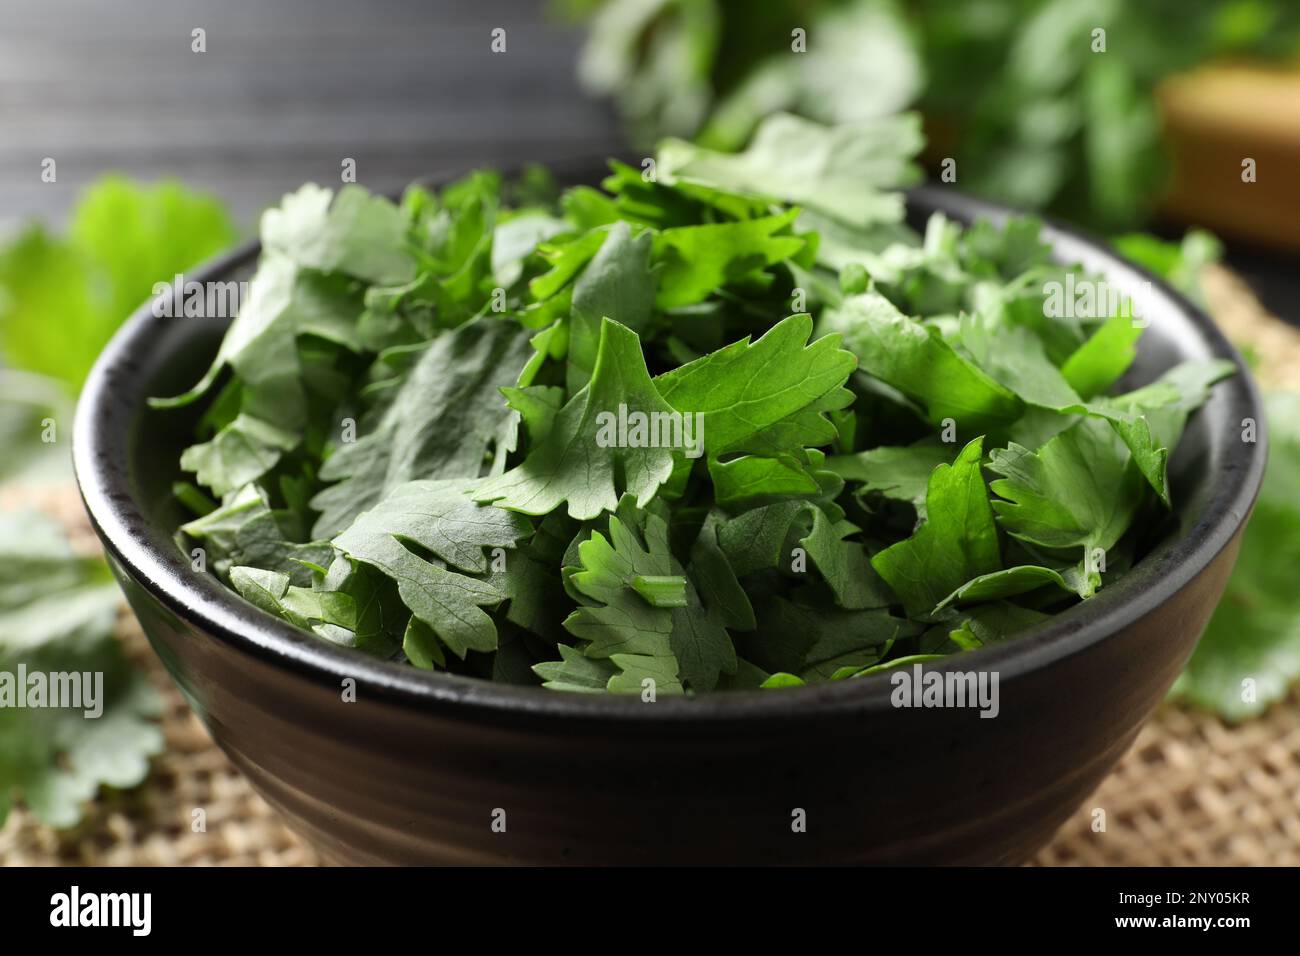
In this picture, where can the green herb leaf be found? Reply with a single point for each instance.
(958, 541)
(746, 391)
(916, 360)
(125, 237)
(1079, 491)
(439, 517)
(850, 172)
(695, 260)
(1249, 656)
(439, 422)
(619, 620)
(57, 612)
(899, 473)
(581, 461)
(618, 285)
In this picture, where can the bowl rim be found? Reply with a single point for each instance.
(101, 462)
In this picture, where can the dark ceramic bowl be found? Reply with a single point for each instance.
(417, 769)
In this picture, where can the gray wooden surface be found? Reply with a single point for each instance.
(286, 90)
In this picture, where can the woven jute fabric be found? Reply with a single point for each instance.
(155, 823)
(1192, 790)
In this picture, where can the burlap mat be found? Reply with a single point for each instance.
(1192, 790)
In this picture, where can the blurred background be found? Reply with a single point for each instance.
(283, 92)
(1139, 132)
(137, 138)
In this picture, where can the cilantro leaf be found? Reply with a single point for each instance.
(57, 612)
(617, 284)
(957, 542)
(750, 479)
(439, 422)
(1006, 583)
(899, 473)
(695, 260)
(916, 360)
(814, 642)
(325, 612)
(616, 618)
(621, 621)
(575, 671)
(779, 536)
(440, 518)
(850, 172)
(1079, 491)
(311, 232)
(637, 671)
(245, 530)
(262, 347)
(240, 453)
(756, 540)
(1149, 420)
(572, 463)
(1249, 656)
(994, 622)
(745, 389)
(353, 232)
(124, 238)
(1099, 362)
(844, 565)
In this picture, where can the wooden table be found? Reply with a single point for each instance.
(286, 90)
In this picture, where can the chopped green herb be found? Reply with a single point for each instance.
(57, 611)
(729, 425)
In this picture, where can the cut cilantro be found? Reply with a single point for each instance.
(852, 173)
(438, 517)
(767, 396)
(957, 542)
(579, 461)
(1078, 493)
(441, 420)
(916, 360)
(56, 617)
(606, 443)
(698, 259)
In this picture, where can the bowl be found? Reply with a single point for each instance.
(432, 768)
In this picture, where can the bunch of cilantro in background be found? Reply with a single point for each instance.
(459, 510)
(56, 615)
(61, 299)
(1011, 88)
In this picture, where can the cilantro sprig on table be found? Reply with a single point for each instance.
(407, 442)
(57, 610)
(61, 298)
